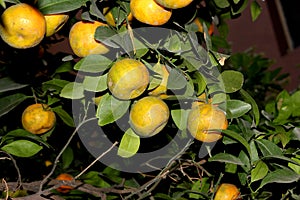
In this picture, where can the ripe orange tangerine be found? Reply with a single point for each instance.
(22, 26)
(127, 78)
(227, 191)
(82, 39)
(149, 12)
(54, 22)
(174, 4)
(38, 118)
(64, 188)
(148, 116)
(205, 122)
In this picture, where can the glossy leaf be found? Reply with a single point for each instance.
(226, 158)
(253, 152)
(64, 116)
(293, 166)
(93, 63)
(129, 144)
(284, 175)
(54, 84)
(108, 36)
(22, 148)
(232, 80)
(237, 137)
(111, 109)
(7, 84)
(259, 171)
(176, 80)
(8, 103)
(236, 108)
(179, 117)
(255, 10)
(222, 3)
(284, 107)
(73, 90)
(295, 100)
(255, 110)
(95, 83)
(67, 157)
(23, 134)
(59, 6)
(268, 148)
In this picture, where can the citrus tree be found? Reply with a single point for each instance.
(141, 99)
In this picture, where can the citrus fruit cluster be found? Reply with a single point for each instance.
(24, 26)
(128, 79)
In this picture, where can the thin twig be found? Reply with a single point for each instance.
(61, 152)
(19, 181)
(99, 157)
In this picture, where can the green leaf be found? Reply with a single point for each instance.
(179, 117)
(59, 6)
(176, 80)
(284, 107)
(8, 103)
(64, 116)
(108, 36)
(22, 148)
(2, 3)
(268, 148)
(21, 133)
(295, 167)
(173, 44)
(232, 80)
(253, 152)
(226, 158)
(253, 103)
(222, 3)
(54, 84)
(255, 10)
(111, 109)
(7, 84)
(295, 100)
(64, 67)
(95, 83)
(73, 90)
(93, 178)
(284, 175)
(236, 108)
(259, 171)
(67, 157)
(237, 137)
(129, 144)
(94, 10)
(93, 63)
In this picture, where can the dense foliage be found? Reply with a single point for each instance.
(92, 139)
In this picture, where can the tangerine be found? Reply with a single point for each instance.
(174, 4)
(38, 118)
(227, 191)
(22, 26)
(149, 12)
(127, 78)
(148, 116)
(205, 122)
(64, 177)
(82, 39)
(54, 22)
